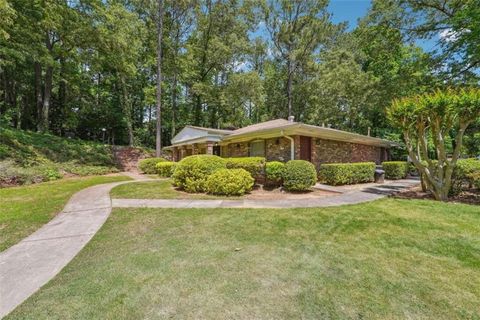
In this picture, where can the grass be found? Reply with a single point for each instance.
(388, 259)
(24, 209)
(161, 189)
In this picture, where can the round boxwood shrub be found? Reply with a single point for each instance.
(149, 165)
(300, 175)
(230, 182)
(274, 172)
(254, 165)
(395, 169)
(165, 168)
(191, 172)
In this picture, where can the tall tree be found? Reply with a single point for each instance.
(297, 29)
(158, 142)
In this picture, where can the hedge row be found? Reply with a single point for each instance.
(347, 173)
(395, 169)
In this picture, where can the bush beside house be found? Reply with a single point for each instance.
(149, 165)
(254, 165)
(165, 168)
(465, 173)
(395, 169)
(191, 172)
(347, 173)
(274, 172)
(230, 182)
(299, 175)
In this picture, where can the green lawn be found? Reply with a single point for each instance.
(388, 259)
(161, 189)
(24, 209)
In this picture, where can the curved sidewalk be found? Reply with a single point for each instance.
(351, 197)
(35, 260)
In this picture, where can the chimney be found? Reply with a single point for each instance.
(291, 118)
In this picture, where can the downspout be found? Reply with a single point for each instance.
(292, 145)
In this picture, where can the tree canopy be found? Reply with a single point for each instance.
(89, 68)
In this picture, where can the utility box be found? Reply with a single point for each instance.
(379, 176)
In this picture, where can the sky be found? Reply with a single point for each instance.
(348, 10)
(351, 10)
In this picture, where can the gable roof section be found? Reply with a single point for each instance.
(192, 134)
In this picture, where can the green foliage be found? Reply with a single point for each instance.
(149, 165)
(463, 173)
(299, 175)
(85, 170)
(347, 173)
(274, 172)
(11, 174)
(191, 172)
(475, 178)
(29, 157)
(165, 168)
(434, 116)
(254, 165)
(31, 148)
(395, 169)
(230, 182)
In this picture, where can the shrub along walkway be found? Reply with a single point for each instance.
(369, 193)
(34, 261)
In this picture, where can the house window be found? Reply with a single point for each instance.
(257, 148)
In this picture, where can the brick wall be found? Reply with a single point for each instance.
(277, 149)
(330, 151)
(236, 150)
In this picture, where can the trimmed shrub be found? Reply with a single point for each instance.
(254, 165)
(191, 172)
(299, 175)
(347, 173)
(395, 169)
(475, 178)
(274, 172)
(165, 168)
(230, 182)
(462, 174)
(149, 165)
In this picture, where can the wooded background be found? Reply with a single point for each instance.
(73, 68)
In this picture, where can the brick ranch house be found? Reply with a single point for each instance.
(281, 140)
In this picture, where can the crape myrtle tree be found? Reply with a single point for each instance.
(435, 116)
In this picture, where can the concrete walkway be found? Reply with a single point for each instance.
(349, 197)
(32, 262)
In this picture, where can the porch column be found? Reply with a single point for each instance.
(175, 154)
(194, 148)
(209, 147)
(183, 152)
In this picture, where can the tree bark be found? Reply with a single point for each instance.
(47, 94)
(289, 86)
(38, 95)
(174, 101)
(127, 111)
(158, 146)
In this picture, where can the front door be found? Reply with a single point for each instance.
(216, 150)
(305, 148)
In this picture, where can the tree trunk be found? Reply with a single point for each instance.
(158, 146)
(127, 110)
(47, 94)
(289, 86)
(174, 102)
(38, 95)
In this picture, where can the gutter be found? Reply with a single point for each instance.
(292, 145)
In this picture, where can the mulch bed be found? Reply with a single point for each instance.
(471, 196)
